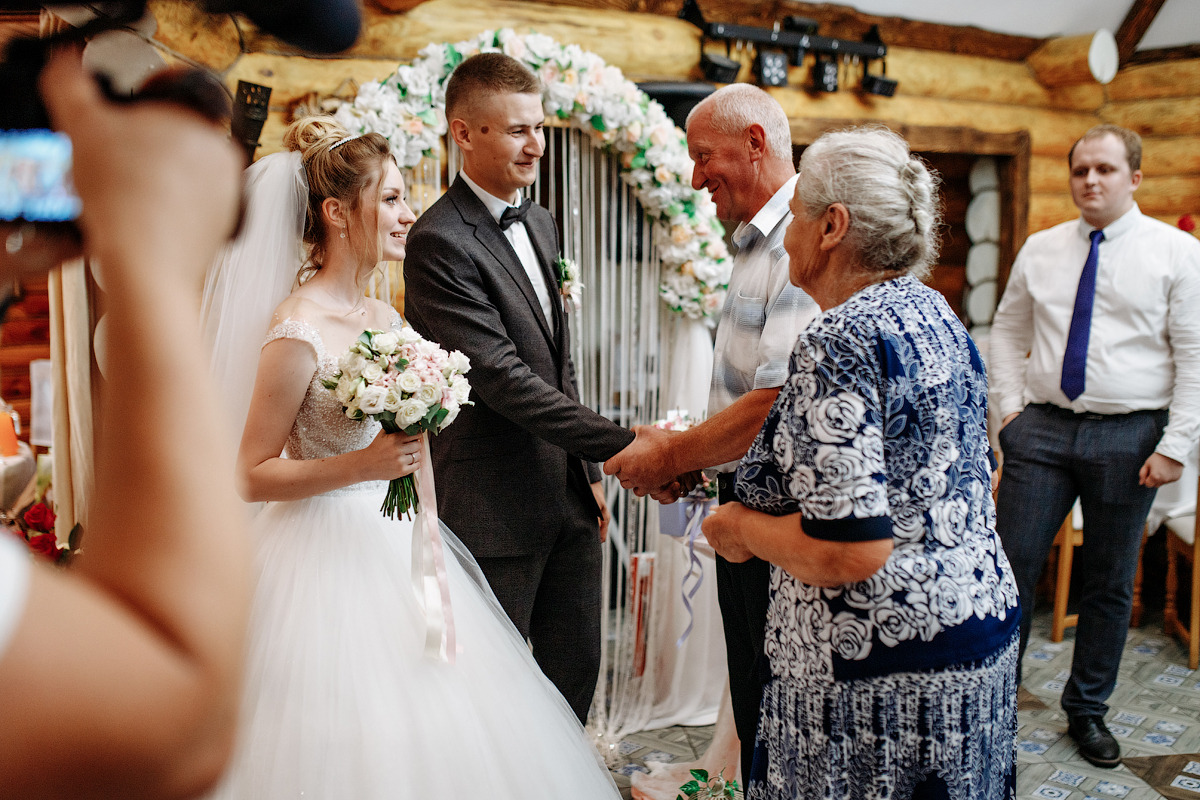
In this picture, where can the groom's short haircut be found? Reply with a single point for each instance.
(486, 74)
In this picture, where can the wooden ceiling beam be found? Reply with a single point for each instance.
(837, 21)
(1134, 27)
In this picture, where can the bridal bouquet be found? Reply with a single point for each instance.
(408, 384)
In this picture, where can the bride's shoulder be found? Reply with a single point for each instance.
(383, 313)
(297, 318)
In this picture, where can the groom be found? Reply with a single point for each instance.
(515, 474)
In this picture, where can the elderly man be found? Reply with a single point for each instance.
(1105, 407)
(740, 141)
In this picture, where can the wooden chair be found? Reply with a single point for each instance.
(1182, 542)
(1070, 536)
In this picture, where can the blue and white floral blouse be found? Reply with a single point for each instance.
(881, 432)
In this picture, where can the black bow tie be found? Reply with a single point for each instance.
(514, 214)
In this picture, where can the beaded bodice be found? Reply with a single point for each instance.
(322, 428)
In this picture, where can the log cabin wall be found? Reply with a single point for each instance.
(949, 76)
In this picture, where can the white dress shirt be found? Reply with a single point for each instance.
(1144, 346)
(518, 237)
(14, 585)
(763, 312)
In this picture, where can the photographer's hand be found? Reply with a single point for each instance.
(156, 178)
(155, 609)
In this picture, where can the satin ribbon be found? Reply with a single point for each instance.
(696, 511)
(430, 582)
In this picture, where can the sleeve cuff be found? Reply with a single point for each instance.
(848, 530)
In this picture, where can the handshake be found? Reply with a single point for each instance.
(656, 462)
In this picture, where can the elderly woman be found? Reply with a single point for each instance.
(891, 636)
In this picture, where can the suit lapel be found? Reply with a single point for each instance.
(489, 235)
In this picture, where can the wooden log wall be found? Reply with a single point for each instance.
(939, 84)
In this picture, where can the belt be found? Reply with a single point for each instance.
(1067, 413)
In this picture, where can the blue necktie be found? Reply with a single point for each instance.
(1074, 368)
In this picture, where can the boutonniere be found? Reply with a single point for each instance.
(569, 285)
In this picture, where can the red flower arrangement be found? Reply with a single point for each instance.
(1186, 223)
(35, 524)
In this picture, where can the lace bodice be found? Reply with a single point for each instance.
(322, 428)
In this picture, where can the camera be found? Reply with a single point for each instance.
(35, 161)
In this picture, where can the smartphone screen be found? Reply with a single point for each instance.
(35, 177)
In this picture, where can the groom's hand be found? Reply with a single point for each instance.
(645, 465)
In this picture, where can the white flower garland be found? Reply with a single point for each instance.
(409, 108)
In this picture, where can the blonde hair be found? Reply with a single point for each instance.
(339, 166)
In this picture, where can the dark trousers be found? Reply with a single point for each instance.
(1051, 457)
(553, 599)
(743, 592)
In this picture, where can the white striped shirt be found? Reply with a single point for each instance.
(763, 312)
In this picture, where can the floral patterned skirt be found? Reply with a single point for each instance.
(880, 738)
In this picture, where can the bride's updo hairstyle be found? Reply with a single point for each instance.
(890, 193)
(337, 166)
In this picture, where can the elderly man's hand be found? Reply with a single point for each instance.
(724, 530)
(645, 465)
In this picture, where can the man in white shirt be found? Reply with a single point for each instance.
(740, 141)
(1104, 408)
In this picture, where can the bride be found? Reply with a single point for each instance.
(341, 699)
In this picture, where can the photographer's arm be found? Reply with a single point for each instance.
(125, 669)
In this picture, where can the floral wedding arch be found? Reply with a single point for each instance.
(408, 108)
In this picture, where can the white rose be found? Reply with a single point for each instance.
(460, 388)
(393, 398)
(411, 412)
(371, 401)
(345, 389)
(408, 382)
(372, 372)
(352, 364)
(387, 343)
(457, 362)
(407, 335)
(429, 395)
(452, 413)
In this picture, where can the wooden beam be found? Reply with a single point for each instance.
(922, 138)
(1158, 55)
(1134, 27)
(837, 21)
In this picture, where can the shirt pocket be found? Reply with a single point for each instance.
(749, 312)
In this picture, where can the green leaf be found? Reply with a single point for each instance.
(598, 123)
(428, 117)
(74, 536)
(639, 160)
(700, 775)
(453, 58)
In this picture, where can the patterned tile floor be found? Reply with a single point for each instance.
(1155, 715)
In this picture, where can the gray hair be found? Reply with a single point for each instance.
(890, 193)
(738, 106)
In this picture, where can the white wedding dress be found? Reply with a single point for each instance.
(340, 701)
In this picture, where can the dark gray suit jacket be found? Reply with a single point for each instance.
(504, 466)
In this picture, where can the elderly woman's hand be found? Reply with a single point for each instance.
(724, 530)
